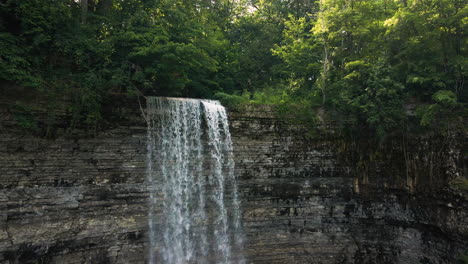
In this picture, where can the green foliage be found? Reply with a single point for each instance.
(372, 97)
(427, 113)
(13, 66)
(361, 61)
(463, 258)
(170, 48)
(439, 114)
(446, 98)
(370, 58)
(269, 96)
(232, 101)
(299, 111)
(25, 117)
(460, 183)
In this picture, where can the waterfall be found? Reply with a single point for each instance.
(193, 207)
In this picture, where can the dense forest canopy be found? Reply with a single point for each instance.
(363, 62)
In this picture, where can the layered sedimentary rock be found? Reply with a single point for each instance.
(321, 200)
(304, 199)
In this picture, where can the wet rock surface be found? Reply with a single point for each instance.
(84, 200)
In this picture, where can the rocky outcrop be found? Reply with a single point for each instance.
(305, 199)
(323, 200)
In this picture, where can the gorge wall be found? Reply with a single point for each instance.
(317, 199)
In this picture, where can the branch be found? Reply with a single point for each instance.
(139, 103)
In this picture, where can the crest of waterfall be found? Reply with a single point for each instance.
(193, 207)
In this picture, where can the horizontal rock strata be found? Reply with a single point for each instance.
(83, 200)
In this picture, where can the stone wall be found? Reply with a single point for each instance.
(81, 199)
(322, 200)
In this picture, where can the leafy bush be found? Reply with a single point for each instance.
(460, 183)
(24, 117)
(269, 96)
(232, 101)
(445, 97)
(437, 114)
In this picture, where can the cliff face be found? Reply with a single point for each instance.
(304, 199)
(322, 200)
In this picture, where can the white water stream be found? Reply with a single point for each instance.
(193, 208)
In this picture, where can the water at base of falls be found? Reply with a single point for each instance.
(193, 208)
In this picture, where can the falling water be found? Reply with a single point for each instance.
(193, 207)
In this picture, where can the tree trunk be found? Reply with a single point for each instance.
(84, 11)
(325, 69)
(104, 7)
